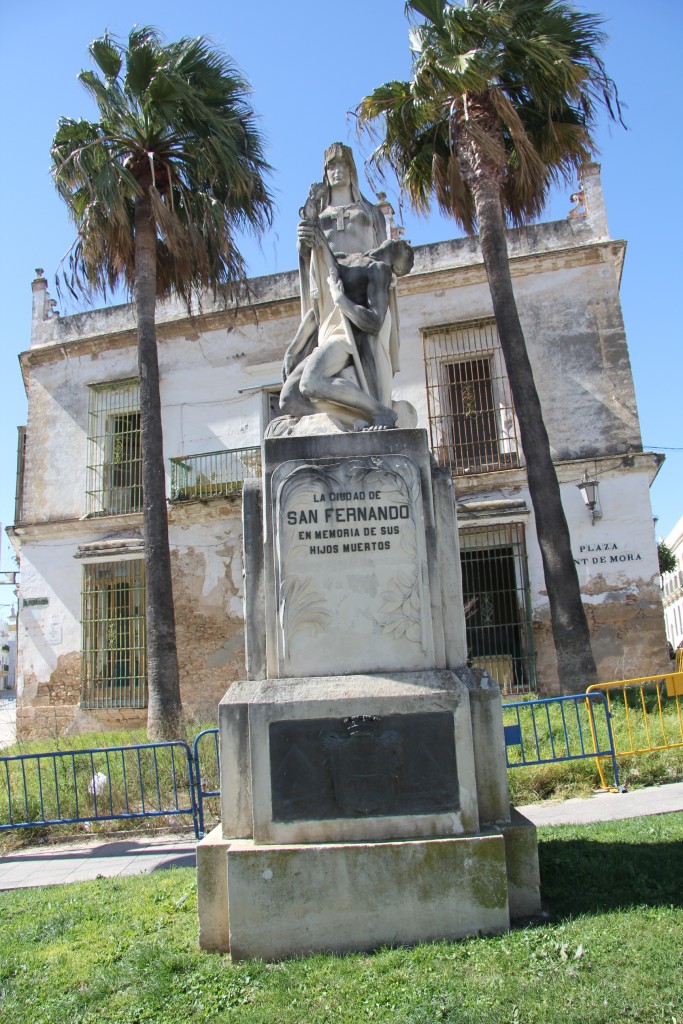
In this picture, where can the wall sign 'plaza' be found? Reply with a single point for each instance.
(368, 508)
(605, 554)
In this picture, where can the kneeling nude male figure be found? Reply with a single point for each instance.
(359, 287)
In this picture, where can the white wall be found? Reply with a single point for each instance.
(46, 632)
(672, 588)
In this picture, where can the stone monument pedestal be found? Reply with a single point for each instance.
(364, 794)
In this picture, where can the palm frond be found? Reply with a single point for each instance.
(175, 121)
(142, 64)
(533, 72)
(107, 56)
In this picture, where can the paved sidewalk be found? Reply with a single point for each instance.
(52, 864)
(608, 806)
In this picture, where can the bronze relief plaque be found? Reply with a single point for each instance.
(363, 766)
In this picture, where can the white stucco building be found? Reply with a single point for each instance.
(4, 656)
(8, 653)
(672, 588)
(78, 527)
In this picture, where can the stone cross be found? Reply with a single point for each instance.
(342, 211)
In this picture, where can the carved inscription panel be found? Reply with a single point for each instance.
(350, 567)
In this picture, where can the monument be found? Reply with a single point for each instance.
(364, 795)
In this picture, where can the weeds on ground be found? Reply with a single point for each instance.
(529, 784)
(564, 779)
(569, 730)
(86, 786)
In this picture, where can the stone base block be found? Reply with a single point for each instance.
(312, 781)
(521, 851)
(291, 900)
(212, 891)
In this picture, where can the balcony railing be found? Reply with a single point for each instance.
(673, 582)
(213, 474)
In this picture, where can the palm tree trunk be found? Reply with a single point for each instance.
(164, 713)
(575, 662)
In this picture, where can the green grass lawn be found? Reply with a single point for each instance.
(124, 951)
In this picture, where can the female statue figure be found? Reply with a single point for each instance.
(349, 222)
(344, 356)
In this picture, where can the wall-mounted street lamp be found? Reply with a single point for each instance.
(589, 493)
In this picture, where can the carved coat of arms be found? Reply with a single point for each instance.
(364, 763)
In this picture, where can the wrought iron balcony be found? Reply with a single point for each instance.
(213, 474)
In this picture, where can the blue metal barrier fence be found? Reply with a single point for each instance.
(168, 779)
(207, 771)
(570, 728)
(97, 784)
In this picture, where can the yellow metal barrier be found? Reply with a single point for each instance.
(646, 713)
(679, 659)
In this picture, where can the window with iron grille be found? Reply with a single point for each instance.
(471, 418)
(114, 471)
(21, 467)
(114, 673)
(497, 605)
(271, 405)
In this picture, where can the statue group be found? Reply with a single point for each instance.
(344, 355)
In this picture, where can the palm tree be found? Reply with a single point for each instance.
(501, 105)
(157, 188)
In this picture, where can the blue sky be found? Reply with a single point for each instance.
(309, 63)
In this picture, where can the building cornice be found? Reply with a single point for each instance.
(177, 322)
(101, 527)
(467, 489)
(469, 485)
(185, 326)
(610, 465)
(608, 251)
(113, 530)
